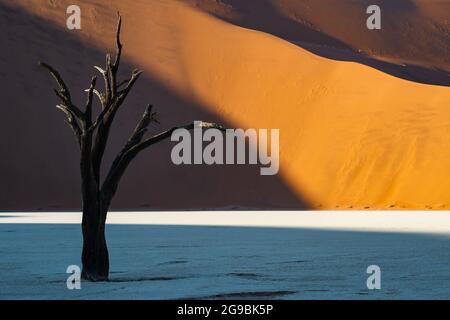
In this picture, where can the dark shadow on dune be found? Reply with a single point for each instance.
(269, 20)
(409, 72)
(39, 164)
(323, 264)
(303, 34)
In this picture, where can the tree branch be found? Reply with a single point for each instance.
(88, 112)
(64, 93)
(142, 126)
(118, 43)
(166, 134)
(110, 106)
(71, 122)
(105, 98)
(105, 120)
(121, 83)
(114, 67)
(130, 151)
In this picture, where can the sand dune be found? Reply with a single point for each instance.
(351, 136)
(414, 32)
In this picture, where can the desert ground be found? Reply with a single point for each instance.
(232, 255)
(363, 115)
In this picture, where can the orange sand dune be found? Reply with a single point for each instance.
(415, 32)
(412, 30)
(351, 136)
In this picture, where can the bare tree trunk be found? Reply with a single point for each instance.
(95, 257)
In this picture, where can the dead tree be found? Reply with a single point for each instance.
(92, 137)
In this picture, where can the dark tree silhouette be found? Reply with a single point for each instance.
(92, 136)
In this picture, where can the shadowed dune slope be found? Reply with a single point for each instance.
(350, 136)
(414, 42)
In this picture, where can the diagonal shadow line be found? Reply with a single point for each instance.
(327, 46)
(40, 169)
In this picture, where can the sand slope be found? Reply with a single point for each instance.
(351, 136)
(412, 30)
(414, 42)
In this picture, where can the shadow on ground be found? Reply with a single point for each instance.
(172, 262)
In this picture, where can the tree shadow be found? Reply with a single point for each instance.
(40, 167)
